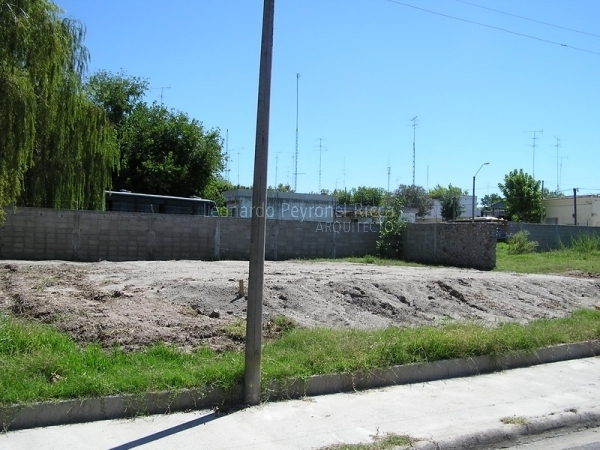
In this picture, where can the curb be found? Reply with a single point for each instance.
(510, 433)
(121, 406)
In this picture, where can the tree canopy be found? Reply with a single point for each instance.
(488, 200)
(449, 200)
(162, 151)
(415, 197)
(523, 196)
(362, 195)
(58, 148)
(165, 152)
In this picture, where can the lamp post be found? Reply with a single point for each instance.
(473, 194)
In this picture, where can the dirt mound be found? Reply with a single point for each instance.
(191, 303)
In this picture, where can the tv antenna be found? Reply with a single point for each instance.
(296, 152)
(534, 145)
(389, 171)
(557, 163)
(321, 150)
(561, 163)
(162, 89)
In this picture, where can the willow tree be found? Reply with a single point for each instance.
(57, 148)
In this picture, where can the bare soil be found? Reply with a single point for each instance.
(190, 303)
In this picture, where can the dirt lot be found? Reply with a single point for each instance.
(137, 303)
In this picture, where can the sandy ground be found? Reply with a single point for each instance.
(189, 303)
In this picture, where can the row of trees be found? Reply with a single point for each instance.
(522, 196)
(64, 139)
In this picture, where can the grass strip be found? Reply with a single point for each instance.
(554, 261)
(38, 363)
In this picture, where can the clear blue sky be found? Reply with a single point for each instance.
(367, 67)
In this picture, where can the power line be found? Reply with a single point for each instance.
(494, 27)
(526, 18)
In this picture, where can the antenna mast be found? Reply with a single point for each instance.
(162, 88)
(414, 125)
(534, 145)
(296, 153)
(557, 163)
(389, 171)
(321, 150)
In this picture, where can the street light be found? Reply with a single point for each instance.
(473, 209)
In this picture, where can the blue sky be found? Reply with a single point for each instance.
(367, 67)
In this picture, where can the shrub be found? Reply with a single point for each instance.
(585, 243)
(519, 243)
(389, 242)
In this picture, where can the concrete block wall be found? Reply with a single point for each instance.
(452, 244)
(549, 237)
(43, 234)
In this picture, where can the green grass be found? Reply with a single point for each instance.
(38, 363)
(555, 261)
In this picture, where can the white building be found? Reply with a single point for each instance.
(561, 210)
(283, 206)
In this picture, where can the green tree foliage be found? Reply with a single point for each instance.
(438, 191)
(389, 241)
(488, 200)
(165, 152)
(162, 151)
(343, 197)
(281, 188)
(449, 198)
(552, 194)
(214, 190)
(367, 196)
(415, 197)
(57, 148)
(118, 94)
(362, 195)
(523, 196)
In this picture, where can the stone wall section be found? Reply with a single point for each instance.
(462, 244)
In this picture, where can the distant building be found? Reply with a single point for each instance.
(283, 206)
(435, 214)
(561, 210)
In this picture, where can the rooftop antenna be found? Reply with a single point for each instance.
(561, 163)
(162, 88)
(534, 145)
(344, 174)
(321, 150)
(557, 163)
(296, 153)
(414, 125)
(237, 151)
(389, 171)
(227, 154)
(276, 167)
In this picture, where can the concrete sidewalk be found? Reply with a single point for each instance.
(451, 413)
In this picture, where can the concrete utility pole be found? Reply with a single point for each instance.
(258, 223)
(575, 205)
(473, 196)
